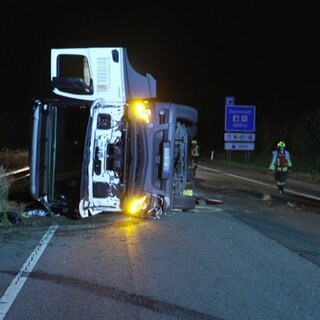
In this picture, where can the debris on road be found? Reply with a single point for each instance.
(266, 197)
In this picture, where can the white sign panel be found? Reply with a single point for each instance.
(239, 146)
(239, 136)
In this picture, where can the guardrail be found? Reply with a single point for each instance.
(17, 174)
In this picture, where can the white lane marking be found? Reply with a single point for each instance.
(259, 182)
(17, 283)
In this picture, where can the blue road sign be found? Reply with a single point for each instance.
(240, 118)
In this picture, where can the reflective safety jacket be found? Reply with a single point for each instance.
(280, 161)
(195, 150)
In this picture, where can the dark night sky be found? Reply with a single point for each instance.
(263, 54)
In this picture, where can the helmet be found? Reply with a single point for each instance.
(194, 142)
(281, 144)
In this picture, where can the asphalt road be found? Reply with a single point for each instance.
(292, 219)
(254, 256)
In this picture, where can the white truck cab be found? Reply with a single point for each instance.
(106, 144)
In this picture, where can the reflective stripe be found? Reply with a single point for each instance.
(283, 169)
(195, 151)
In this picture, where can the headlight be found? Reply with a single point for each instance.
(137, 205)
(141, 110)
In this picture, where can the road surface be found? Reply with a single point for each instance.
(254, 256)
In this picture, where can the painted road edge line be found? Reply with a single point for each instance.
(17, 283)
(262, 183)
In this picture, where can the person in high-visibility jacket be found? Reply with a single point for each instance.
(195, 153)
(281, 164)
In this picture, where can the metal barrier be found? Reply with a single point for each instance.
(16, 172)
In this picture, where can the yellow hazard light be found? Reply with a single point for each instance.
(136, 205)
(141, 110)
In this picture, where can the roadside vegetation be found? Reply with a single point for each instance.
(6, 205)
(10, 160)
(14, 159)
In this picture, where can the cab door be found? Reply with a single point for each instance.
(98, 73)
(88, 73)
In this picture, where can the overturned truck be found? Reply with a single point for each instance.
(105, 144)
